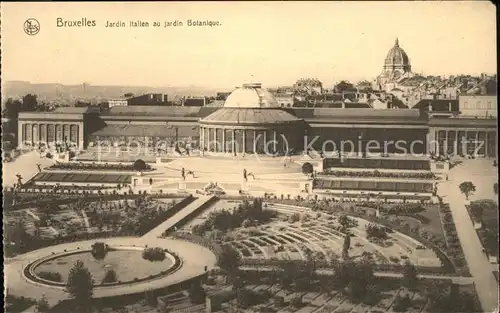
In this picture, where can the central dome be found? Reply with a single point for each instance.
(251, 96)
(397, 56)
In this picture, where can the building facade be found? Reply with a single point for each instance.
(253, 122)
(478, 106)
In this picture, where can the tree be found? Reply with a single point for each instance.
(401, 303)
(410, 279)
(17, 234)
(11, 109)
(437, 293)
(467, 188)
(343, 86)
(80, 284)
(140, 165)
(42, 305)
(346, 246)
(307, 168)
(229, 261)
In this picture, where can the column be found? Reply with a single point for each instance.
(216, 148)
(20, 134)
(274, 143)
(446, 142)
(436, 141)
(455, 147)
(244, 140)
(466, 140)
(265, 141)
(476, 144)
(233, 143)
(211, 138)
(80, 135)
(223, 140)
(201, 138)
(254, 142)
(486, 143)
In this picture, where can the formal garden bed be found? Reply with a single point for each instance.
(373, 186)
(295, 232)
(484, 213)
(425, 223)
(81, 177)
(110, 267)
(131, 167)
(378, 174)
(384, 163)
(132, 216)
(452, 244)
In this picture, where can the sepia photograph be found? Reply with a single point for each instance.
(250, 157)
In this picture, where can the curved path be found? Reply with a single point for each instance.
(194, 259)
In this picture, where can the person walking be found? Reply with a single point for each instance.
(183, 174)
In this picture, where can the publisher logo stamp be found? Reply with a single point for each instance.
(31, 26)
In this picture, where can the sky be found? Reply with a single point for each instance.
(274, 43)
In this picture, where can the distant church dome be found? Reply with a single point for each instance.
(397, 57)
(396, 65)
(251, 96)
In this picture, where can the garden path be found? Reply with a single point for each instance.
(179, 216)
(86, 221)
(482, 175)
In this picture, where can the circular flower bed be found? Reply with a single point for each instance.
(106, 274)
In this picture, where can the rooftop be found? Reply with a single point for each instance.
(147, 130)
(251, 96)
(251, 116)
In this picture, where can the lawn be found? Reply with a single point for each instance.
(487, 212)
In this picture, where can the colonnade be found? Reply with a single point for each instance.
(30, 133)
(247, 140)
(465, 141)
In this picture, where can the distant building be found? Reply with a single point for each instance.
(478, 106)
(117, 102)
(439, 107)
(396, 67)
(308, 86)
(222, 96)
(148, 99)
(194, 101)
(285, 99)
(251, 118)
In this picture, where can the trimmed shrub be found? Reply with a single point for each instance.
(99, 250)
(401, 304)
(52, 276)
(109, 277)
(154, 254)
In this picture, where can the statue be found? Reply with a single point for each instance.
(19, 180)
